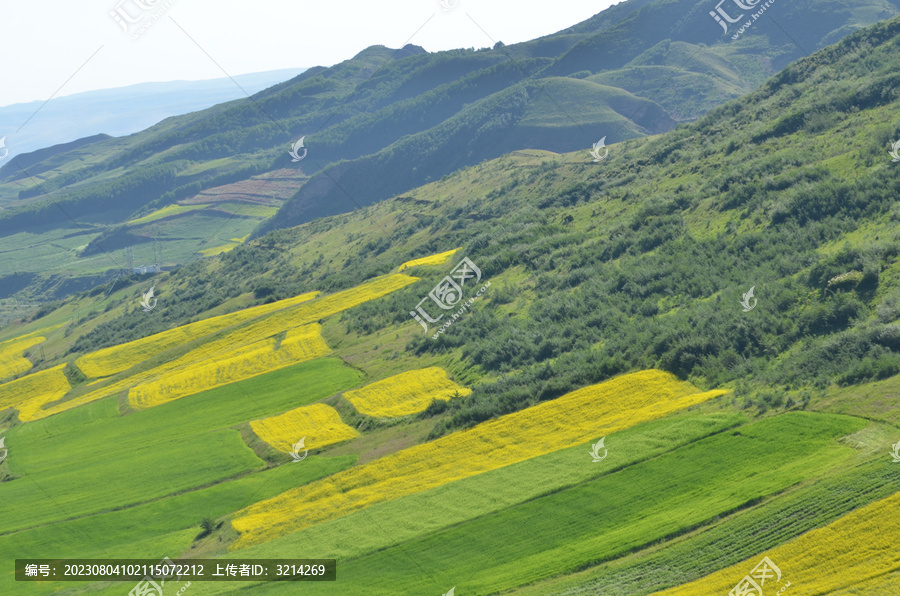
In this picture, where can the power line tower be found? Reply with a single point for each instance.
(157, 256)
(129, 258)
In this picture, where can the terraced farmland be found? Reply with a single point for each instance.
(571, 419)
(235, 344)
(607, 517)
(12, 360)
(407, 393)
(476, 496)
(854, 550)
(195, 466)
(32, 391)
(438, 259)
(320, 425)
(578, 513)
(109, 361)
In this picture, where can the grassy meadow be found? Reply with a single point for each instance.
(110, 464)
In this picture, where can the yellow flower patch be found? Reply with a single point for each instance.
(438, 259)
(319, 423)
(31, 392)
(112, 360)
(253, 337)
(247, 361)
(407, 393)
(12, 360)
(851, 551)
(570, 420)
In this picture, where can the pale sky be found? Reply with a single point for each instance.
(55, 47)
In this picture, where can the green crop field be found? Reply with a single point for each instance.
(733, 539)
(764, 167)
(140, 461)
(467, 499)
(165, 212)
(657, 488)
(166, 525)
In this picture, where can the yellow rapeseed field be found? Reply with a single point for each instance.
(575, 418)
(856, 548)
(438, 259)
(319, 423)
(247, 361)
(12, 362)
(32, 391)
(218, 250)
(109, 361)
(406, 393)
(239, 342)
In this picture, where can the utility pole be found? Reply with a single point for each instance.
(157, 253)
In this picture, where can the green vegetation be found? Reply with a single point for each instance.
(165, 212)
(387, 121)
(156, 449)
(604, 518)
(605, 271)
(596, 269)
(493, 491)
(166, 525)
(734, 538)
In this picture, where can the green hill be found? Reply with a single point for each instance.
(646, 259)
(377, 125)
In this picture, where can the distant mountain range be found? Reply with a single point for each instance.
(123, 110)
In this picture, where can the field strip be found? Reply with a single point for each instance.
(319, 424)
(437, 508)
(733, 539)
(267, 355)
(31, 391)
(114, 359)
(238, 342)
(572, 419)
(438, 259)
(857, 547)
(12, 359)
(408, 393)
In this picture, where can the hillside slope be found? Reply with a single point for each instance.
(382, 123)
(753, 256)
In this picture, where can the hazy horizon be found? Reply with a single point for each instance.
(192, 41)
